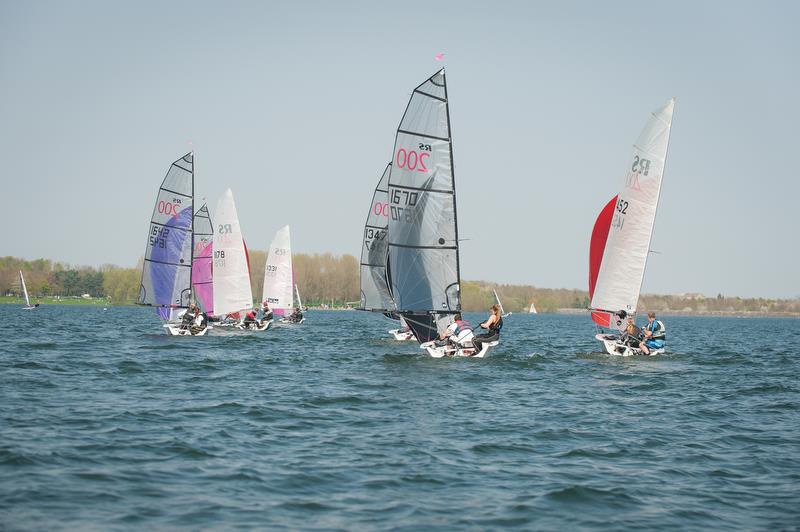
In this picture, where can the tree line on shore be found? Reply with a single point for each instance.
(326, 279)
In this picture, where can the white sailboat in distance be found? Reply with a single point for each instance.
(28, 305)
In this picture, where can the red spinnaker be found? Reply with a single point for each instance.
(596, 248)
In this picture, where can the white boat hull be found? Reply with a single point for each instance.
(290, 322)
(613, 346)
(260, 327)
(177, 330)
(462, 351)
(402, 336)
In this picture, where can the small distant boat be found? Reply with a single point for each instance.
(621, 235)
(28, 305)
(502, 310)
(532, 310)
(167, 270)
(279, 285)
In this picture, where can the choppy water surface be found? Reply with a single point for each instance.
(108, 423)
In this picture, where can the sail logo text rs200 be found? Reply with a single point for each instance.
(640, 167)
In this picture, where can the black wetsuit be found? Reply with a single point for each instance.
(187, 320)
(491, 336)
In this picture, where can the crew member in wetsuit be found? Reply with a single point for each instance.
(655, 334)
(493, 324)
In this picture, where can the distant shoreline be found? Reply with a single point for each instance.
(97, 301)
(691, 313)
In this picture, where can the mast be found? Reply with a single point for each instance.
(453, 181)
(192, 299)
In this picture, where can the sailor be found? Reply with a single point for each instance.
(493, 326)
(250, 318)
(188, 317)
(456, 332)
(296, 316)
(200, 321)
(266, 311)
(632, 335)
(655, 334)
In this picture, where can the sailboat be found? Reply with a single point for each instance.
(167, 269)
(28, 305)
(499, 304)
(423, 229)
(279, 284)
(231, 270)
(376, 293)
(622, 232)
(532, 309)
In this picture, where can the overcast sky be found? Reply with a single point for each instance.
(294, 105)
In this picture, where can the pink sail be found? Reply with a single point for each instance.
(202, 278)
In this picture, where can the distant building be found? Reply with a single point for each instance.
(691, 295)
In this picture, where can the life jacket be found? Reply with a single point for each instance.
(658, 330)
(251, 315)
(461, 326)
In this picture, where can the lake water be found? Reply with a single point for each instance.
(107, 423)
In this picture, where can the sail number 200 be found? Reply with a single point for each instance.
(413, 159)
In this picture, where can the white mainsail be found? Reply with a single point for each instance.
(278, 275)
(24, 289)
(231, 272)
(532, 310)
(617, 279)
(299, 301)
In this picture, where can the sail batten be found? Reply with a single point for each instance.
(623, 231)
(166, 272)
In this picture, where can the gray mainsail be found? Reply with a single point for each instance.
(167, 268)
(375, 294)
(423, 233)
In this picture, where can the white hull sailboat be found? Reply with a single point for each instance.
(231, 269)
(279, 287)
(24, 288)
(167, 270)
(621, 236)
(423, 247)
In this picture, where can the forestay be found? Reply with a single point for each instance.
(630, 218)
(375, 294)
(167, 268)
(202, 280)
(232, 291)
(423, 237)
(278, 277)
